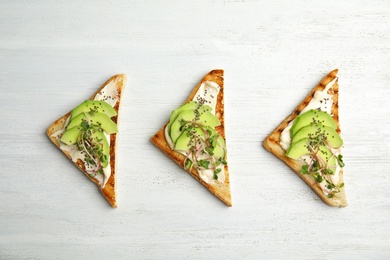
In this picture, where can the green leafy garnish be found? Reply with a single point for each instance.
(84, 126)
(202, 145)
(219, 161)
(218, 170)
(327, 171)
(318, 177)
(188, 163)
(210, 150)
(204, 163)
(340, 160)
(330, 185)
(305, 169)
(315, 166)
(91, 147)
(318, 166)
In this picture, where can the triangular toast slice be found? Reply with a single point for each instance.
(329, 85)
(219, 187)
(110, 92)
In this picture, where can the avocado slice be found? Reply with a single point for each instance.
(100, 138)
(206, 118)
(184, 142)
(93, 105)
(99, 119)
(312, 117)
(300, 148)
(328, 160)
(219, 148)
(192, 105)
(309, 131)
(70, 136)
(188, 106)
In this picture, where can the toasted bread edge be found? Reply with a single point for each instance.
(220, 190)
(271, 142)
(109, 189)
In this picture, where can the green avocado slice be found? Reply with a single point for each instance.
(205, 118)
(71, 135)
(312, 117)
(300, 148)
(192, 105)
(93, 105)
(310, 131)
(184, 142)
(99, 119)
(328, 160)
(220, 148)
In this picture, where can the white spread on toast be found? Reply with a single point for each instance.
(209, 91)
(109, 94)
(321, 101)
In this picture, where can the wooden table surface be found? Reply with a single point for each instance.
(55, 55)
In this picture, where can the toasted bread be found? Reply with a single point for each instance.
(54, 133)
(272, 142)
(219, 189)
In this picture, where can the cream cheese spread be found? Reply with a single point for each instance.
(109, 94)
(321, 101)
(207, 92)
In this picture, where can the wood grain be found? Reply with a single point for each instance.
(54, 55)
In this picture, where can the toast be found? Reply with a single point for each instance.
(273, 142)
(55, 131)
(221, 189)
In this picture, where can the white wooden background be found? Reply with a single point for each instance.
(55, 55)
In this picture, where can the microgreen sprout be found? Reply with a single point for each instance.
(91, 146)
(318, 166)
(340, 160)
(202, 147)
(216, 171)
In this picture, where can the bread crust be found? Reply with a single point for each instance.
(109, 189)
(220, 190)
(271, 143)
